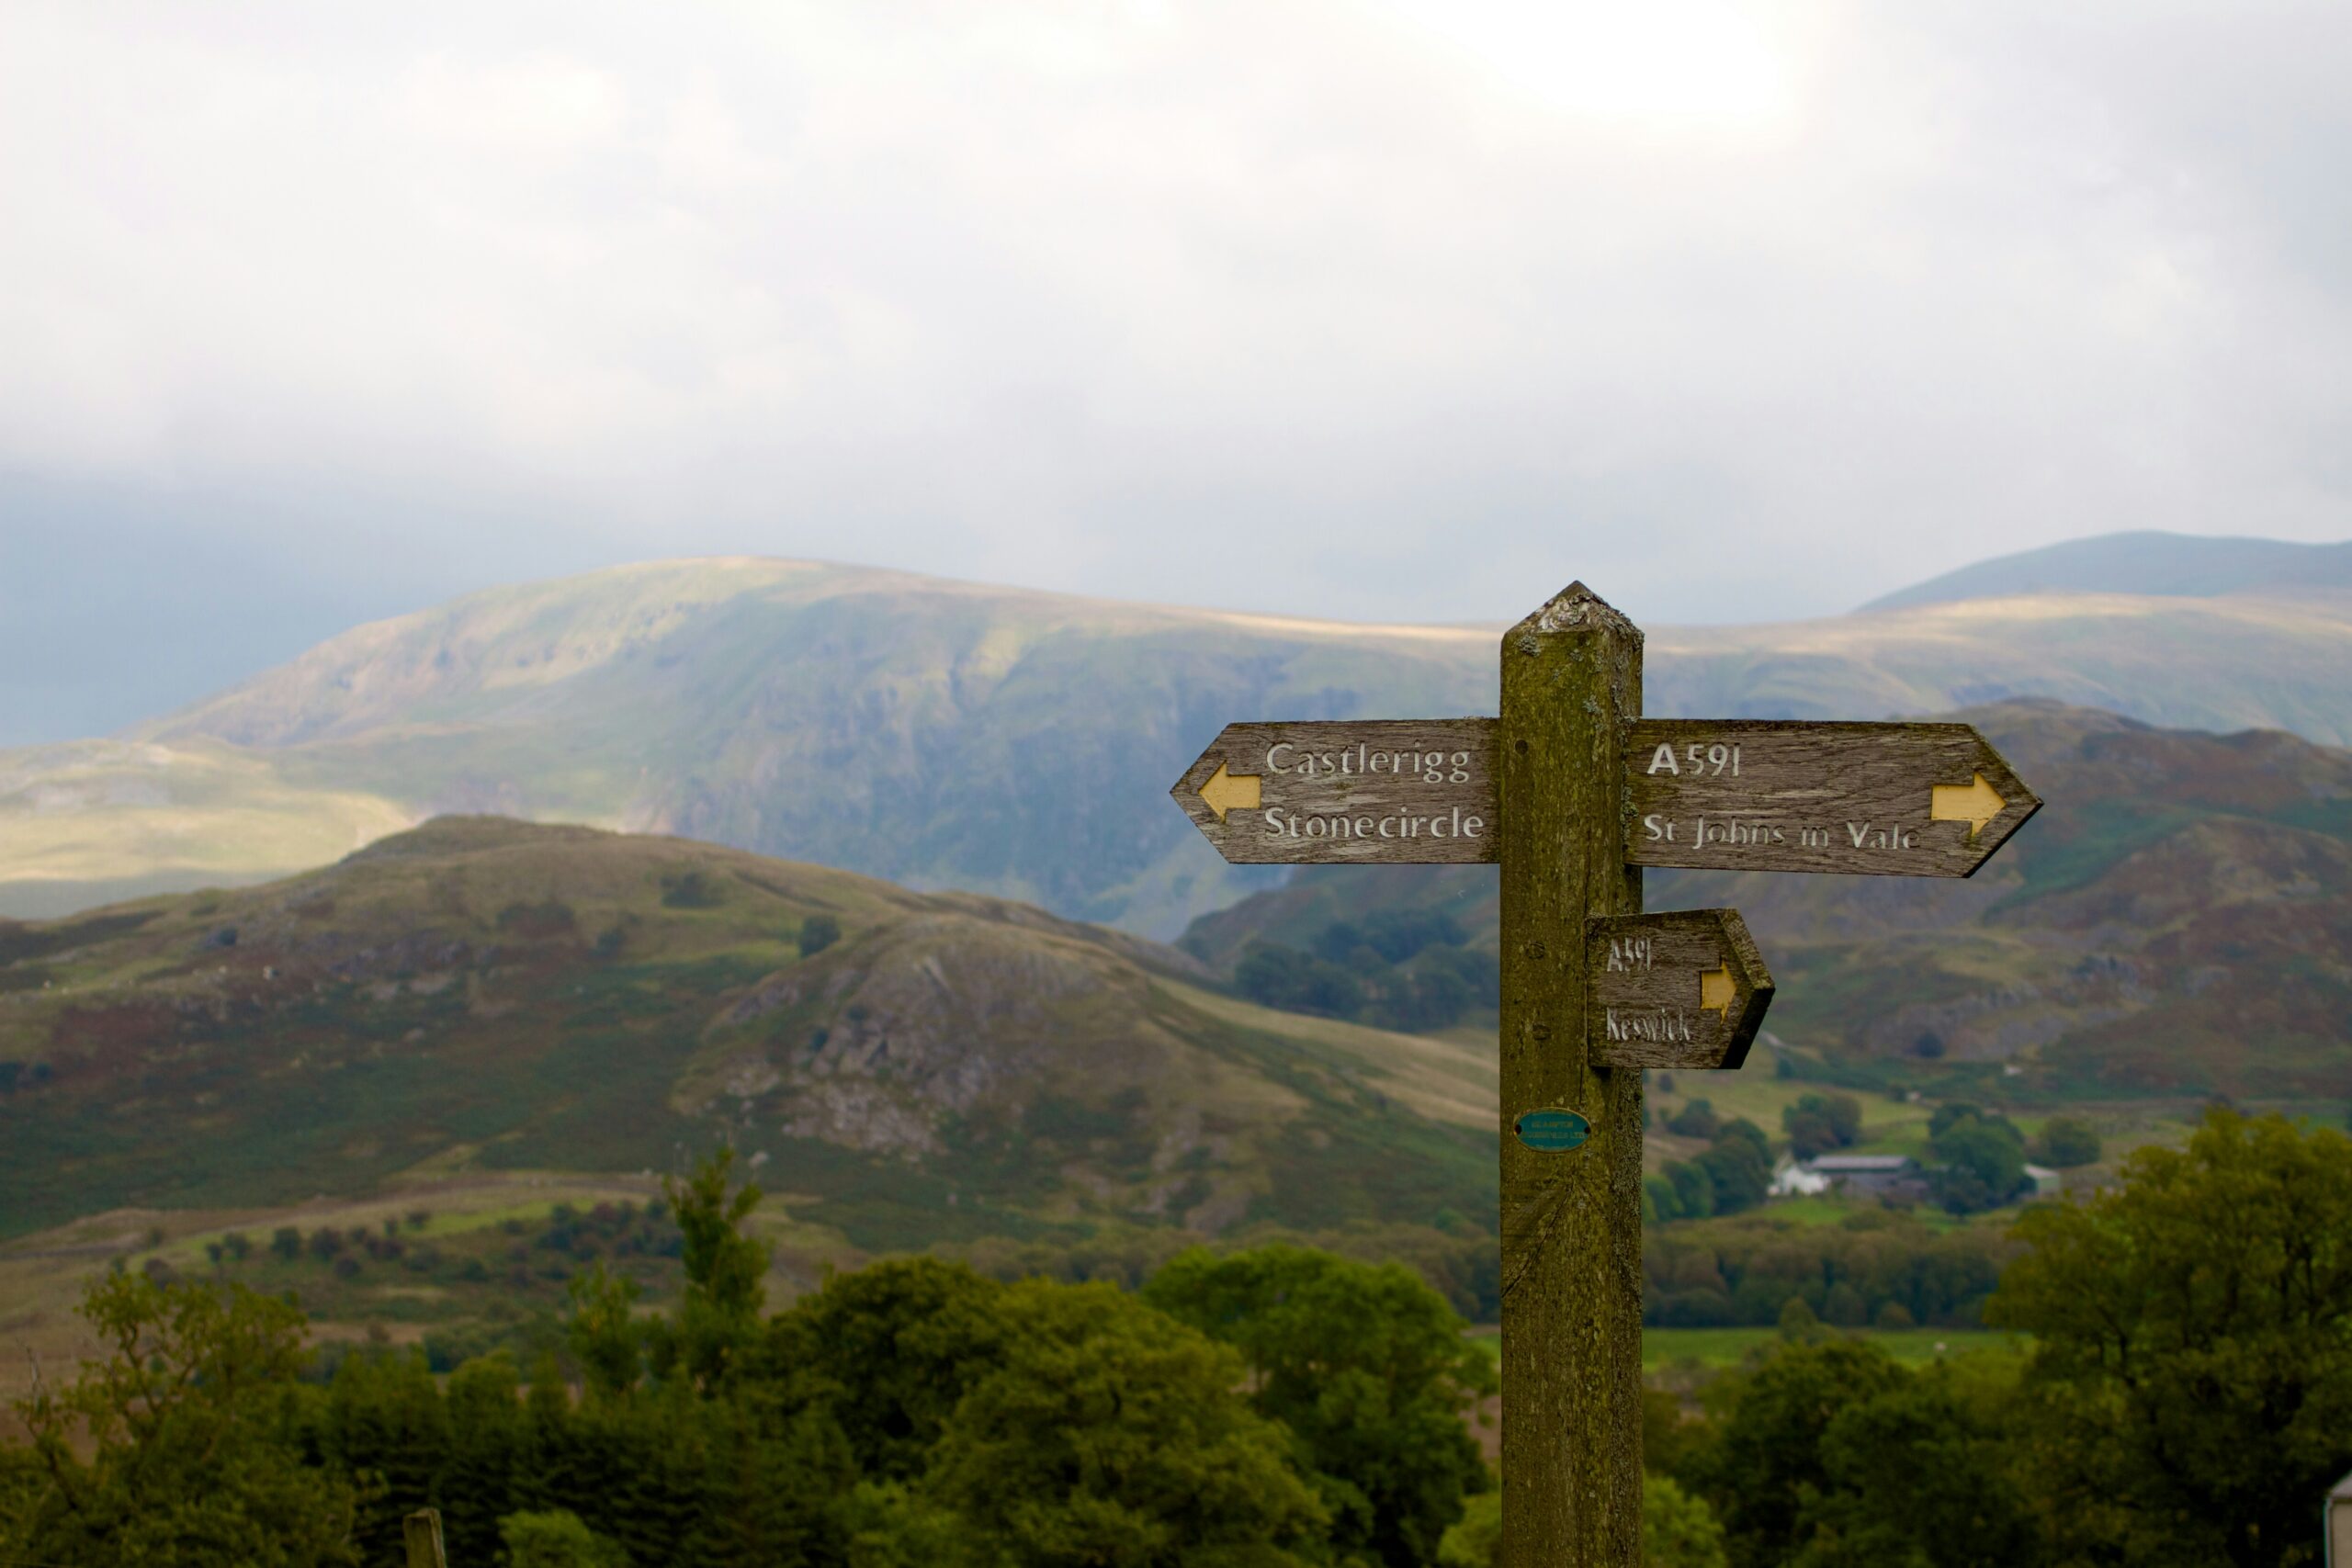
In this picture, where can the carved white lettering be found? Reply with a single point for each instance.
(1736, 834)
(1659, 1026)
(1629, 953)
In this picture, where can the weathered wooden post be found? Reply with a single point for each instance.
(1572, 1228)
(422, 1530)
(1573, 792)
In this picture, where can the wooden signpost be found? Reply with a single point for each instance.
(1573, 792)
(1878, 799)
(1686, 989)
(1383, 790)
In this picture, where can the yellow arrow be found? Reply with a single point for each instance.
(1974, 804)
(1717, 990)
(1225, 792)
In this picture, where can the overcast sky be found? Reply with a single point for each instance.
(1395, 311)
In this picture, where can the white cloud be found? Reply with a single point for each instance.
(1389, 308)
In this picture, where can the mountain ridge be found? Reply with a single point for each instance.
(2146, 562)
(942, 734)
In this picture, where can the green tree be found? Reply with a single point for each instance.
(384, 1418)
(1738, 1166)
(1476, 1540)
(172, 1447)
(1367, 1365)
(1765, 1466)
(487, 1430)
(2192, 1332)
(1697, 1118)
(602, 1327)
(886, 1524)
(1679, 1531)
(2067, 1142)
(1114, 1437)
(719, 1312)
(557, 1540)
(1694, 1188)
(1984, 1164)
(889, 1351)
(1800, 1325)
(1817, 1123)
(1916, 1475)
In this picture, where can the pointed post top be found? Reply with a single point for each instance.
(1573, 608)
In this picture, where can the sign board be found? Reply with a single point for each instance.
(1683, 989)
(1567, 790)
(1552, 1131)
(1365, 792)
(1872, 799)
(1719, 794)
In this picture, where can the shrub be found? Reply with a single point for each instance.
(1297, 982)
(1984, 1163)
(818, 933)
(2067, 1142)
(1817, 1123)
(1697, 1118)
(557, 1540)
(689, 890)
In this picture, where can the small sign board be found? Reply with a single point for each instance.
(1871, 799)
(1687, 988)
(1369, 792)
(1552, 1131)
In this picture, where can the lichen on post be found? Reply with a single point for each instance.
(1571, 1217)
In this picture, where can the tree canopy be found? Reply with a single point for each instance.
(1367, 1365)
(2192, 1332)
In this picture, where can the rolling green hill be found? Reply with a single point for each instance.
(944, 735)
(489, 995)
(2177, 922)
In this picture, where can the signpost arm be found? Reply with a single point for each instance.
(1571, 1220)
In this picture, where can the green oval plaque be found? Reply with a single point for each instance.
(1552, 1132)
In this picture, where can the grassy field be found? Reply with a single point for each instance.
(1720, 1348)
(1890, 1125)
(1728, 1347)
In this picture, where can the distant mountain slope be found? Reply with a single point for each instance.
(944, 735)
(2146, 563)
(2178, 921)
(2238, 661)
(489, 993)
